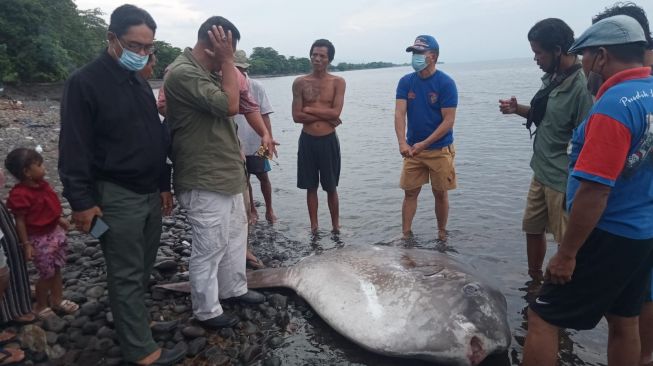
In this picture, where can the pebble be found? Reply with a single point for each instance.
(193, 332)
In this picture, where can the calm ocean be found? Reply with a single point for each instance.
(492, 164)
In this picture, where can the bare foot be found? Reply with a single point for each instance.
(11, 356)
(442, 235)
(252, 218)
(269, 215)
(314, 229)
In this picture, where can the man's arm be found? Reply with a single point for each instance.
(401, 106)
(589, 203)
(267, 122)
(448, 117)
(330, 113)
(298, 115)
(255, 120)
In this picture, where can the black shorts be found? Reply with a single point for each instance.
(611, 276)
(257, 164)
(318, 161)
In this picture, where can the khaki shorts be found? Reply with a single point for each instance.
(545, 211)
(434, 165)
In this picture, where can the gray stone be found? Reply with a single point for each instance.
(106, 332)
(251, 353)
(51, 337)
(272, 361)
(166, 265)
(278, 301)
(195, 346)
(80, 321)
(76, 297)
(91, 308)
(54, 324)
(33, 338)
(95, 292)
(55, 352)
(193, 332)
(103, 345)
(90, 328)
(114, 352)
(275, 342)
(89, 251)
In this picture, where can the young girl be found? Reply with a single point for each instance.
(40, 227)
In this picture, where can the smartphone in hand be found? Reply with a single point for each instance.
(98, 227)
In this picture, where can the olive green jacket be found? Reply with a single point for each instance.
(205, 149)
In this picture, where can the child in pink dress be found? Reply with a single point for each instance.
(40, 227)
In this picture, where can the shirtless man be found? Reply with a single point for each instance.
(317, 102)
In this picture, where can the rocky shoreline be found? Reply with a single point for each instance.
(31, 117)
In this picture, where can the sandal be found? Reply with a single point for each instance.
(11, 356)
(7, 336)
(26, 318)
(44, 314)
(66, 306)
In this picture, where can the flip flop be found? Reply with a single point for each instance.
(66, 306)
(44, 314)
(11, 356)
(7, 336)
(26, 318)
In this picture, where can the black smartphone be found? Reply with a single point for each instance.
(98, 227)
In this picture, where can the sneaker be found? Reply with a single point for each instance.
(223, 320)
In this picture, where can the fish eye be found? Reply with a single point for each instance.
(471, 289)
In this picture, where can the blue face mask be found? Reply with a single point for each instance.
(131, 61)
(419, 62)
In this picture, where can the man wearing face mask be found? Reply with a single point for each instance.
(112, 152)
(646, 315)
(556, 109)
(428, 97)
(602, 266)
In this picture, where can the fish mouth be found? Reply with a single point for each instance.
(476, 353)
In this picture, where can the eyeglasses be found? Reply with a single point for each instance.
(138, 47)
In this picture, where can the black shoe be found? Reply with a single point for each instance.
(171, 356)
(251, 297)
(164, 327)
(223, 320)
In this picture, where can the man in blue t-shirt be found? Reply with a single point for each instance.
(603, 264)
(429, 98)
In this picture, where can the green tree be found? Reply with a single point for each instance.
(165, 54)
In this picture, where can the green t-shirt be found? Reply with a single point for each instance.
(205, 149)
(566, 108)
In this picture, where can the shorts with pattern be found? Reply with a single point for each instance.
(435, 165)
(49, 251)
(545, 211)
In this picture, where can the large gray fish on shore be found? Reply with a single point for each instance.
(412, 303)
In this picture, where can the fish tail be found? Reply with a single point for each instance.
(268, 277)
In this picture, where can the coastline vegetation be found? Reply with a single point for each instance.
(43, 41)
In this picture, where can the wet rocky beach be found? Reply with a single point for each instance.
(87, 337)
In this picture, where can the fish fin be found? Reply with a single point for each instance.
(268, 277)
(176, 286)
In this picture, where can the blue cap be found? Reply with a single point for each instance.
(619, 29)
(424, 43)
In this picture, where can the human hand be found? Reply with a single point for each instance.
(508, 106)
(560, 268)
(270, 146)
(222, 46)
(64, 223)
(405, 150)
(83, 219)
(417, 148)
(166, 203)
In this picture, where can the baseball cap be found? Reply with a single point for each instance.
(240, 59)
(619, 29)
(424, 43)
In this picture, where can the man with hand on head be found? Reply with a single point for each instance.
(112, 152)
(427, 98)
(202, 95)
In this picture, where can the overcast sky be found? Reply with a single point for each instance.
(370, 30)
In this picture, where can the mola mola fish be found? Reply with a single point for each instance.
(400, 302)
